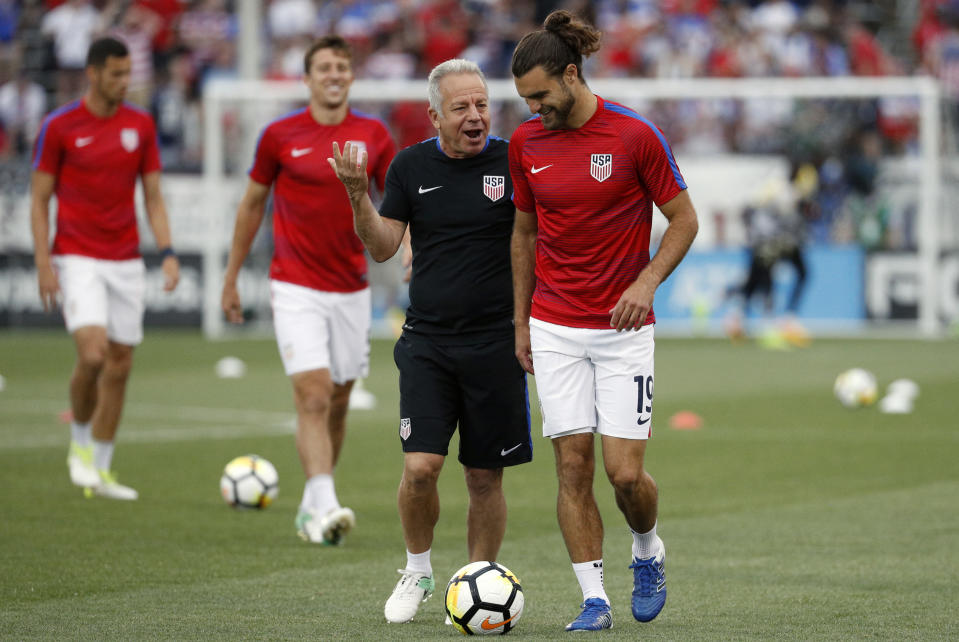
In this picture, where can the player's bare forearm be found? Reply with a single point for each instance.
(249, 216)
(523, 263)
(41, 189)
(160, 225)
(679, 236)
(636, 301)
(156, 209)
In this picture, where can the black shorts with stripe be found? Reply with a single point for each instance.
(479, 387)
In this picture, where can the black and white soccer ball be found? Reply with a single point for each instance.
(249, 481)
(484, 598)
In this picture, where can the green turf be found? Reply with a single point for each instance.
(786, 516)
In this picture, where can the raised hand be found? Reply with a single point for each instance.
(350, 168)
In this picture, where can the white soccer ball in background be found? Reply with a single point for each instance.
(249, 481)
(484, 598)
(855, 388)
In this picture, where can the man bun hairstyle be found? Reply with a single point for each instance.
(104, 48)
(564, 40)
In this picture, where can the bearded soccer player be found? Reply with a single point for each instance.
(90, 153)
(318, 283)
(586, 173)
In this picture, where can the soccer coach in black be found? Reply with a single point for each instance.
(456, 355)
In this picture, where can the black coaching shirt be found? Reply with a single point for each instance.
(460, 214)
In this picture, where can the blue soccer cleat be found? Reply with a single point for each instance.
(596, 616)
(649, 586)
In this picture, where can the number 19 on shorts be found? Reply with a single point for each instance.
(644, 398)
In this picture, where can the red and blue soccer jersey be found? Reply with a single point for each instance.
(314, 244)
(592, 190)
(96, 162)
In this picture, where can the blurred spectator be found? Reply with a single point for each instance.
(940, 55)
(865, 214)
(289, 19)
(208, 29)
(23, 104)
(9, 17)
(72, 26)
(167, 13)
(136, 26)
(176, 110)
(445, 31)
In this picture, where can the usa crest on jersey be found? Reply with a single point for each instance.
(129, 138)
(359, 145)
(601, 166)
(494, 187)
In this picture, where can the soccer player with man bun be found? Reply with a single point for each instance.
(586, 173)
(318, 276)
(90, 153)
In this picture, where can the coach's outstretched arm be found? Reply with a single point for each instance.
(380, 235)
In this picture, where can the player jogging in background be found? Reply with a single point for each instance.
(455, 356)
(90, 153)
(586, 173)
(318, 284)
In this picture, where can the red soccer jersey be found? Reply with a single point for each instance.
(96, 162)
(314, 244)
(592, 190)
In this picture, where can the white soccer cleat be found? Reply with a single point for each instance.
(412, 590)
(109, 487)
(80, 463)
(329, 529)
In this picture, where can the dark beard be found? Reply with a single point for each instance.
(560, 113)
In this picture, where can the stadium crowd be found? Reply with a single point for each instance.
(177, 45)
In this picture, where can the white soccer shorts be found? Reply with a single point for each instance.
(109, 294)
(322, 330)
(593, 380)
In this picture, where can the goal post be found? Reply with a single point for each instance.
(261, 101)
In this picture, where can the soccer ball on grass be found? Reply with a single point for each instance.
(484, 598)
(855, 388)
(249, 481)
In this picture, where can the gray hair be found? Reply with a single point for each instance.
(452, 66)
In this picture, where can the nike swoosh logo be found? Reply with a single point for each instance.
(83, 142)
(428, 189)
(505, 452)
(488, 626)
(296, 153)
(641, 421)
(537, 170)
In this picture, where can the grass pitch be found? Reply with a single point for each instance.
(785, 517)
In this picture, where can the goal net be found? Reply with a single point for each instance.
(863, 166)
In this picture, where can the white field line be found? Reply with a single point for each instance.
(224, 423)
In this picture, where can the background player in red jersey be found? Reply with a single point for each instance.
(585, 174)
(320, 294)
(89, 153)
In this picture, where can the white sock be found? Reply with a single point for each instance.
(319, 494)
(590, 576)
(102, 454)
(419, 562)
(80, 433)
(646, 545)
